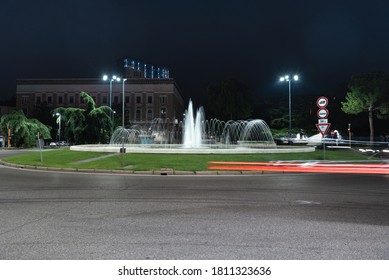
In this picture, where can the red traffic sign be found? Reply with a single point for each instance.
(322, 102)
(323, 128)
(322, 113)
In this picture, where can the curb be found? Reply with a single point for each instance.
(161, 172)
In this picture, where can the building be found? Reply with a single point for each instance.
(4, 110)
(147, 96)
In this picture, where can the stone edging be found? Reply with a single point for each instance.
(162, 171)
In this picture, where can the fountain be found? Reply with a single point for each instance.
(194, 135)
(193, 128)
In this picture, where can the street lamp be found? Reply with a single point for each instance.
(124, 81)
(289, 80)
(113, 78)
(123, 150)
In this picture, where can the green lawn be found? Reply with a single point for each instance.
(65, 158)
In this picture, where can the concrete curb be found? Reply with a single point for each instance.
(161, 172)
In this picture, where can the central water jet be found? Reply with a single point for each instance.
(193, 127)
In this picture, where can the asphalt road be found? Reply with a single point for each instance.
(49, 215)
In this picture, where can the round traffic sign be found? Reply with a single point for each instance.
(322, 102)
(322, 113)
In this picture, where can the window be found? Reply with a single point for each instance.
(149, 114)
(115, 99)
(49, 99)
(163, 99)
(25, 99)
(104, 100)
(127, 100)
(38, 100)
(138, 99)
(138, 114)
(71, 99)
(60, 99)
(82, 101)
(150, 99)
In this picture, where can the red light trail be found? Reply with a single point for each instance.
(309, 167)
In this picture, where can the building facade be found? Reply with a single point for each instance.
(144, 98)
(4, 110)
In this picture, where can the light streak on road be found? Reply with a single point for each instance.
(309, 167)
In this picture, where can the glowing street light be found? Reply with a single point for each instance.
(286, 78)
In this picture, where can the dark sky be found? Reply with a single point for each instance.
(201, 42)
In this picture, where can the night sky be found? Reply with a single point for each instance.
(201, 42)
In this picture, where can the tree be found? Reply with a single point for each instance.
(90, 125)
(24, 130)
(229, 100)
(368, 93)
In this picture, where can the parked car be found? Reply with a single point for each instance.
(293, 139)
(53, 145)
(58, 144)
(334, 139)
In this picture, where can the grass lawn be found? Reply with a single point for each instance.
(64, 158)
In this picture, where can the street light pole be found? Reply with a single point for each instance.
(113, 78)
(287, 79)
(123, 150)
(110, 98)
(290, 106)
(124, 81)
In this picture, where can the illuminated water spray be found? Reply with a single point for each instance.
(193, 127)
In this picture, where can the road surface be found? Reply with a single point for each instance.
(54, 215)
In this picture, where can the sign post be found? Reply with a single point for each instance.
(40, 146)
(349, 134)
(323, 125)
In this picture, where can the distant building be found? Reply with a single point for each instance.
(6, 110)
(147, 95)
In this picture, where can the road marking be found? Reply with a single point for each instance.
(306, 202)
(93, 159)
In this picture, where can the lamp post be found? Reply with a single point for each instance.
(113, 78)
(286, 78)
(124, 81)
(123, 150)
